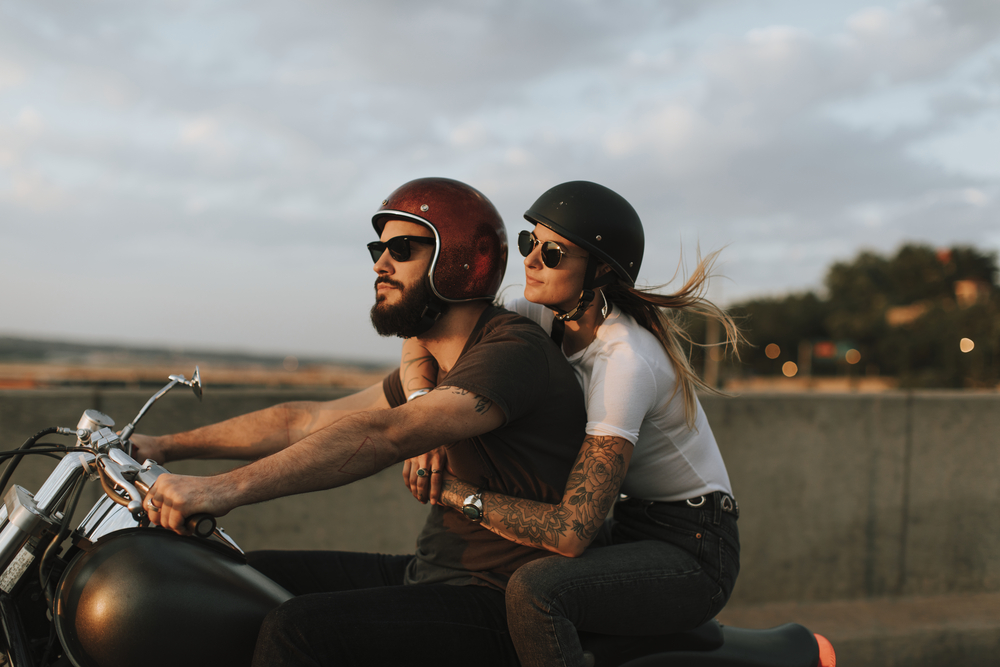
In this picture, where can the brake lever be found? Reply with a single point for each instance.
(112, 469)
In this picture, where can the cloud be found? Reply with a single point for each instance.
(252, 134)
(11, 75)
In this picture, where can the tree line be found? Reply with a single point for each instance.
(927, 317)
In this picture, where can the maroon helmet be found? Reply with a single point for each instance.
(470, 242)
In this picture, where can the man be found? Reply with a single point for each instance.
(506, 398)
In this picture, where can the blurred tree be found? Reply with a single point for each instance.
(783, 322)
(906, 314)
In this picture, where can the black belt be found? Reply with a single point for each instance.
(723, 501)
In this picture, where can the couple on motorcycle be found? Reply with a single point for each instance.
(511, 404)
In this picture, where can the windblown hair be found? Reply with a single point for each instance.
(663, 315)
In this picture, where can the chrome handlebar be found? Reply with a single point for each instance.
(125, 481)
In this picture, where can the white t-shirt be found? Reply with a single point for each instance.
(628, 381)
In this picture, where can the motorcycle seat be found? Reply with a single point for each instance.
(611, 650)
(788, 645)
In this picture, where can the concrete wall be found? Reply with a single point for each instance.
(842, 496)
(852, 496)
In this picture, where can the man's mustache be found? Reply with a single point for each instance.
(389, 281)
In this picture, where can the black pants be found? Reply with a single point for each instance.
(353, 609)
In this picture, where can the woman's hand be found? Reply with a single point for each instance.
(424, 475)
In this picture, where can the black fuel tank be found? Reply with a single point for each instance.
(150, 597)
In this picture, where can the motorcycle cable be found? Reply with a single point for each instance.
(28, 444)
(44, 578)
(64, 529)
(45, 449)
(50, 450)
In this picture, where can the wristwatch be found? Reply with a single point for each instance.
(473, 507)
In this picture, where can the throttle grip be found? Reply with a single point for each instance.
(200, 525)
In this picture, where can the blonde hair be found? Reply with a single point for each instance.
(662, 315)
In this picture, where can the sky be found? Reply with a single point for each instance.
(203, 174)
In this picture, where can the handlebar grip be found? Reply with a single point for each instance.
(201, 525)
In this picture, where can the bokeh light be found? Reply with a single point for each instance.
(789, 368)
(772, 351)
(966, 345)
(852, 356)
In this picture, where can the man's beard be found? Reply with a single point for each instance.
(404, 319)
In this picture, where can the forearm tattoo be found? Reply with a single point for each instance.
(591, 490)
(594, 483)
(529, 522)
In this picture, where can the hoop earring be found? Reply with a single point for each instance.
(607, 307)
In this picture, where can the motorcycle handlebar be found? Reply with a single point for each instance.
(200, 525)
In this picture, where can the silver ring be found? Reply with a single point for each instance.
(434, 472)
(422, 472)
(153, 508)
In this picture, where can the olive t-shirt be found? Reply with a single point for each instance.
(511, 361)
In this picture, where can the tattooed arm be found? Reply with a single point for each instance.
(353, 447)
(569, 527)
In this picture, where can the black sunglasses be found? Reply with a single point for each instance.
(399, 247)
(552, 252)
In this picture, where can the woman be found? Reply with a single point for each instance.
(672, 551)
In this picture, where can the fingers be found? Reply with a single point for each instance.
(419, 482)
(408, 468)
(163, 514)
(438, 461)
(152, 506)
(423, 475)
(410, 477)
(417, 474)
(174, 498)
(423, 481)
(160, 507)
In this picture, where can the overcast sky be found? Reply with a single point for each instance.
(203, 174)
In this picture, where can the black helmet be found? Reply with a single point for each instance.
(597, 219)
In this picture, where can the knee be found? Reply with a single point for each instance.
(281, 640)
(280, 624)
(532, 586)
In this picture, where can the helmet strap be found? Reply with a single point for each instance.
(587, 295)
(433, 311)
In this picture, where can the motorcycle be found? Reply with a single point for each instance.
(95, 596)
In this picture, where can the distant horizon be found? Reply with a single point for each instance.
(233, 354)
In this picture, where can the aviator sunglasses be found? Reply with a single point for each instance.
(552, 252)
(399, 247)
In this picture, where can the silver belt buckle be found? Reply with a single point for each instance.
(695, 502)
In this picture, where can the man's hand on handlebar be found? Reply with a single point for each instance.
(424, 475)
(175, 498)
(147, 447)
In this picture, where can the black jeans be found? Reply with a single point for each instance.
(670, 568)
(353, 609)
